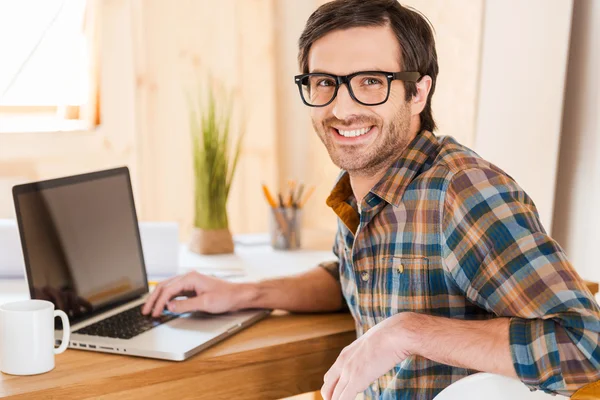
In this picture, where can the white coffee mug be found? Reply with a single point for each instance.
(27, 337)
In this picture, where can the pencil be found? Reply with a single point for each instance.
(298, 196)
(292, 187)
(278, 216)
(268, 196)
(306, 197)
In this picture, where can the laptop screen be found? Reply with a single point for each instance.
(81, 242)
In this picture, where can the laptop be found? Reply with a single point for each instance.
(82, 251)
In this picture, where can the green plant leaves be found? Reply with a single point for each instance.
(216, 155)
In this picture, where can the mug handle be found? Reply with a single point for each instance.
(66, 331)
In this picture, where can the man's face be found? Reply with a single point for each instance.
(384, 129)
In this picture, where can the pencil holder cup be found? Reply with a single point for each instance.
(284, 228)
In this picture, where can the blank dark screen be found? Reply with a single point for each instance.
(82, 244)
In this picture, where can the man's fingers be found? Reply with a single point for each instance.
(338, 369)
(340, 386)
(151, 300)
(154, 295)
(196, 303)
(348, 393)
(174, 289)
(331, 378)
(328, 388)
(166, 294)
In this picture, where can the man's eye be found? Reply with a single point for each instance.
(372, 81)
(325, 82)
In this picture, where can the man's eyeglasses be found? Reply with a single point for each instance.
(369, 88)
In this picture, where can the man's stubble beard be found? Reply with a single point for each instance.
(381, 153)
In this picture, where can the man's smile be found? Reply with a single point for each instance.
(353, 134)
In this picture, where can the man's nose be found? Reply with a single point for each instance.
(344, 105)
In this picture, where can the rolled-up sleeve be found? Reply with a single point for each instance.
(497, 252)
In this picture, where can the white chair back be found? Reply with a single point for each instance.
(484, 386)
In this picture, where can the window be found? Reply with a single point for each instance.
(45, 72)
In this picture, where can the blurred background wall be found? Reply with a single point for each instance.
(517, 83)
(577, 209)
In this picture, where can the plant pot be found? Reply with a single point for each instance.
(211, 241)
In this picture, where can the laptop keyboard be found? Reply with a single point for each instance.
(126, 324)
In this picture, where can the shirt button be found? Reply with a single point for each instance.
(364, 276)
(374, 387)
(400, 268)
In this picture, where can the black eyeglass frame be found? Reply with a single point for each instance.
(340, 80)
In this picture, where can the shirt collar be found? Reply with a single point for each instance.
(392, 185)
(341, 192)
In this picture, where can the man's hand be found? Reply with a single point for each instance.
(366, 359)
(204, 293)
(478, 345)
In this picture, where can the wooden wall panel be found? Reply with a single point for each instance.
(180, 51)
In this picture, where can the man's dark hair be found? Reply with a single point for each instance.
(412, 29)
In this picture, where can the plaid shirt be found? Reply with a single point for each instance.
(446, 233)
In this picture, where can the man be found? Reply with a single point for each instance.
(443, 261)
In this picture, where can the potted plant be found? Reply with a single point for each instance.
(216, 155)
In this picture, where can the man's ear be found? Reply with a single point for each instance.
(419, 100)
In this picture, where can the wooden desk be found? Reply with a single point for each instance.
(282, 356)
